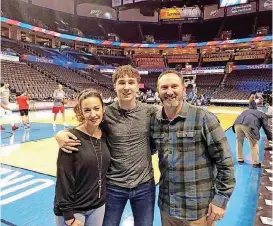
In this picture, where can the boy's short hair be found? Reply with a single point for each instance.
(126, 70)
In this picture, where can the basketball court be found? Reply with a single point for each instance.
(28, 169)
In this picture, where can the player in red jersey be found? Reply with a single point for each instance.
(23, 103)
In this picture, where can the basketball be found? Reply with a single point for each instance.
(65, 101)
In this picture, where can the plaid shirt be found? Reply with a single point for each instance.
(194, 160)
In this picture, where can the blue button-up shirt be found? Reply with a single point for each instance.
(194, 160)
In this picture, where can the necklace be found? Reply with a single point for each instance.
(98, 154)
(93, 135)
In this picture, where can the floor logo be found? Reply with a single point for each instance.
(15, 185)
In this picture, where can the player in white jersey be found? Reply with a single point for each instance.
(5, 110)
(58, 106)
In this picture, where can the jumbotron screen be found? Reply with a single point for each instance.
(226, 3)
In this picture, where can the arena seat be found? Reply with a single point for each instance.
(21, 78)
(73, 80)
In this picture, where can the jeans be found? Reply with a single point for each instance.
(142, 200)
(89, 218)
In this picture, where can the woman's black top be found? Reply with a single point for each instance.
(77, 188)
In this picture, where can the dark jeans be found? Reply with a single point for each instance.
(142, 200)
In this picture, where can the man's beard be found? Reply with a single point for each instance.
(171, 103)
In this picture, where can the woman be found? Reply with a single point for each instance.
(252, 103)
(81, 182)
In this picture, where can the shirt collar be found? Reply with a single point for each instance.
(116, 106)
(161, 115)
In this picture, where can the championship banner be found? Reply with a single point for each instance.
(212, 12)
(186, 13)
(265, 5)
(241, 9)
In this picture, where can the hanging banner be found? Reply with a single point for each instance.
(241, 9)
(212, 12)
(265, 5)
(97, 11)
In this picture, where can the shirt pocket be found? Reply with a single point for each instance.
(189, 140)
(186, 140)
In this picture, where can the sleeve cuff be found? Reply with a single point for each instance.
(220, 201)
(68, 215)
